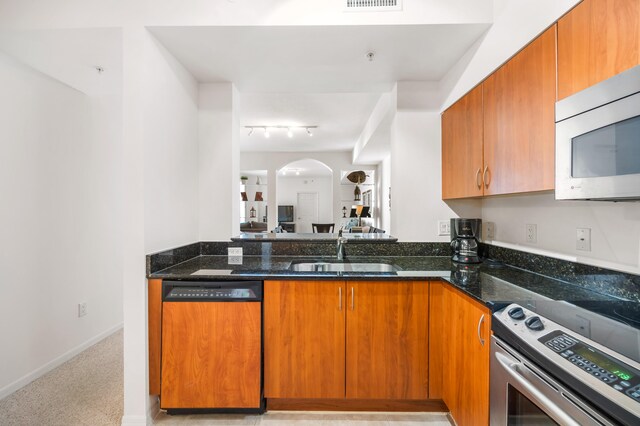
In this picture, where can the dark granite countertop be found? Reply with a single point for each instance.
(315, 237)
(269, 267)
(493, 284)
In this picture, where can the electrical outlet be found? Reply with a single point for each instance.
(491, 230)
(234, 260)
(531, 235)
(234, 251)
(444, 228)
(583, 239)
(82, 309)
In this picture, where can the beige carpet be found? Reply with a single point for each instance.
(86, 390)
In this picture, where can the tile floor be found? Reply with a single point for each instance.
(308, 418)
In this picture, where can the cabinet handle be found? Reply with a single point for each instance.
(478, 181)
(339, 298)
(352, 302)
(484, 176)
(479, 326)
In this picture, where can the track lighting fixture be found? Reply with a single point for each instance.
(290, 129)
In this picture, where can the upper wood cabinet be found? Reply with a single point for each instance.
(378, 329)
(459, 354)
(500, 137)
(304, 339)
(462, 162)
(597, 40)
(519, 120)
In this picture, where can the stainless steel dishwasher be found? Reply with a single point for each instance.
(211, 347)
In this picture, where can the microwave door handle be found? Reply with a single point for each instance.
(530, 391)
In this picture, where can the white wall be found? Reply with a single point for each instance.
(60, 221)
(219, 162)
(160, 161)
(416, 171)
(171, 151)
(615, 228)
(383, 184)
(289, 187)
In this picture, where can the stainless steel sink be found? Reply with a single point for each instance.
(342, 267)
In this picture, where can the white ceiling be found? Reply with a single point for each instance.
(318, 59)
(71, 56)
(340, 118)
(315, 75)
(286, 75)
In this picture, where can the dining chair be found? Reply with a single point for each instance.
(322, 227)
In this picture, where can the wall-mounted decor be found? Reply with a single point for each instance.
(366, 198)
(259, 196)
(244, 196)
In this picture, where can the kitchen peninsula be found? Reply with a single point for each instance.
(419, 305)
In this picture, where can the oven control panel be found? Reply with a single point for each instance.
(615, 373)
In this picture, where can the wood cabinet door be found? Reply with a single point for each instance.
(387, 339)
(597, 40)
(210, 355)
(466, 358)
(519, 120)
(304, 339)
(462, 147)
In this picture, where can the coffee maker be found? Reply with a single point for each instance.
(465, 236)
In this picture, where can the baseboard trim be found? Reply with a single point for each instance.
(35, 374)
(136, 421)
(286, 404)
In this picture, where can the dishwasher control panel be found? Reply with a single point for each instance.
(212, 291)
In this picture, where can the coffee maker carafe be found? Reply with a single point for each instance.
(465, 235)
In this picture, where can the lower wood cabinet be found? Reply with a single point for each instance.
(337, 339)
(459, 351)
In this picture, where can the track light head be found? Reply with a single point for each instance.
(309, 132)
(266, 133)
(290, 132)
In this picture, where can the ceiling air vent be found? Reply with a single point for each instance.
(372, 5)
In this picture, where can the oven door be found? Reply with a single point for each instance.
(522, 394)
(598, 153)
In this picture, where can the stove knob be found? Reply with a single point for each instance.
(516, 313)
(534, 323)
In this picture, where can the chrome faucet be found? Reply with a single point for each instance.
(340, 245)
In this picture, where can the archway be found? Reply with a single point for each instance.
(304, 194)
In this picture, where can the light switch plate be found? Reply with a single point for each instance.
(235, 260)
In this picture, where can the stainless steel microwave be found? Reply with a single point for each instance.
(598, 141)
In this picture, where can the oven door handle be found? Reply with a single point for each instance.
(531, 392)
